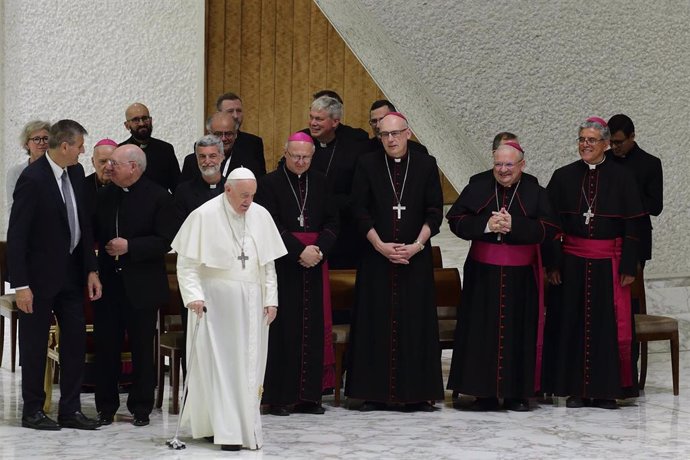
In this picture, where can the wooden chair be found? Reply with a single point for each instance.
(170, 340)
(342, 298)
(650, 328)
(448, 288)
(436, 257)
(8, 309)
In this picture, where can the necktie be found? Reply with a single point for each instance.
(71, 212)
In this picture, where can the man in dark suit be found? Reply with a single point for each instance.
(50, 254)
(163, 167)
(134, 225)
(252, 145)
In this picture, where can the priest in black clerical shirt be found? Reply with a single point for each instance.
(394, 349)
(162, 165)
(101, 176)
(208, 184)
(301, 359)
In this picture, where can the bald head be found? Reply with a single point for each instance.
(127, 164)
(101, 155)
(139, 122)
(224, 126)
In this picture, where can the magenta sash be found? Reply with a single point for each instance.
(328, 379)
(518, 255)
(610, 249)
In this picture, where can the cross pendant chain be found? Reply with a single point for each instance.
(399, 209)
(242, 258)
(300, 219)
(588, 215)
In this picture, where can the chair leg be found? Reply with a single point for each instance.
(2, 337)
(643, 364)
(674, 362)
(14, 325)
(161, 382)
(175, 375)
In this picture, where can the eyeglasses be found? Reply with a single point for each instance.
(228, 134)
(39, 140)
(140, 120)
(588, 140)
(115, 164)
(305, 158)
(393, 134)
(507, 165)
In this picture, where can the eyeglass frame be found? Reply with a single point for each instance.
(115, 164)
(589, 140)
(394, 134)
(39, 139)
(508, 165)
(304, 158)
(228, 134)
(142, 120)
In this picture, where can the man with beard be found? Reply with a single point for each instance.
(497, 352)
(162, 166)
(394, 348)
(300, 354)
(378, 110)
(135, 222)
(225, 127)
(589, 323)
(101, 176)
(338, 147)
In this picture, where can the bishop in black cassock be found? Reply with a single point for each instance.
(589, 323)
(497, 352)
(300, 351)
(394, 350)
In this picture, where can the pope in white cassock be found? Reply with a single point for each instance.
(226, 250)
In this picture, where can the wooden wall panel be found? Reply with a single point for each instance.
(275, 54)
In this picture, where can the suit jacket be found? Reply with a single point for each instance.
(146, 218)
(38, 236)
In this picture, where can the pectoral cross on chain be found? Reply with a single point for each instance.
(242, 258)
(400, 209)
(301, 220)
(588, 215)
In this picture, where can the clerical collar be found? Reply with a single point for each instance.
(212, 186)
(323, 145)
(594, 166)
(125, 189)
(397, 160)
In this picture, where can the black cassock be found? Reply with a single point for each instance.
(495, 351)
(582, 349)
(162, 166)
(295, 364)
(394, 354)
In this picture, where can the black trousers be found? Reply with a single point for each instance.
(113, 316)
(68, 306)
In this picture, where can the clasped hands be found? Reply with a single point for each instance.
(500, 222)
(310, 257)
(116, 247)
(398, 253)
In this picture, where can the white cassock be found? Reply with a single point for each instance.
(226, 377)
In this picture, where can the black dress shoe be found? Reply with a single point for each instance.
(370, 406)
(141, 420)
(419, 407)
(233, 447)
(105, 418)
(605, 403)
(40, 421)
(309, 408)
(574, 402)
(78, 420)
(484, 404)
(281, 411)
(516, 404)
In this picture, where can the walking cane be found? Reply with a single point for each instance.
(175, 443)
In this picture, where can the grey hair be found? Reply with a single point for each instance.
(31, 127)
(139, 157)
(313, 147)
(210, 119)
(209, 140)
(330, 105)
(603, 130)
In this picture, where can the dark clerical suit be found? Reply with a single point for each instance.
(134, 286)
(162, 166)
(295, 368)
(38, 241)
(394, 349)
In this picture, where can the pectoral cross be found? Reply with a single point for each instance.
(242, 258)
(400, 209)
(301, 220)
(588, 215)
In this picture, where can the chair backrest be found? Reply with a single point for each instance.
(637, 292)
(342, 288)
(448, 291)
(436, 257)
